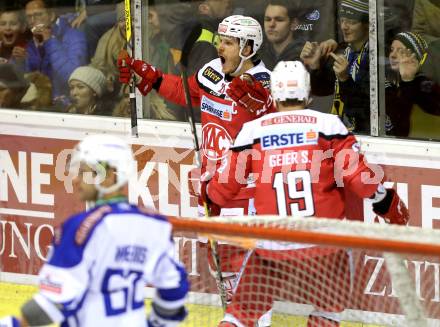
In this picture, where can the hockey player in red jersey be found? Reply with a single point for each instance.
(230, 90)
(301, 161)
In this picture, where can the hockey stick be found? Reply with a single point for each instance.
(187, 46)
(130, 49)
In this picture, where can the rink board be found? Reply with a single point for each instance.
(38, 194)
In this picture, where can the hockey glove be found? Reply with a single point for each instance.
(149, 76)
(160, 317)
(9, 321)
(194, 182)
(249, 93)
(392, 209)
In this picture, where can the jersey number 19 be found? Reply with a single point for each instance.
(299, 200)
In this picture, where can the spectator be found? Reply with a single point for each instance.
(160, 56)
(426, 19)
(316, 19)
(406, 86)
(426, 22)
(348, 73)
(159, 49)
(87, 86)
(56, 49)
(12, 86)
(209, 14)
(95, 17)
(281, 43)
(12, 37)
(39, 93)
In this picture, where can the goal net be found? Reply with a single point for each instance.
(281, 271)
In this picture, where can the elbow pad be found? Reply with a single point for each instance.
(163, 317)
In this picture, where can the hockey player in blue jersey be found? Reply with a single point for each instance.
(102, 259)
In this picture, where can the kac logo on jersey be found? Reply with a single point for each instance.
(216, 141)
(217, 109)
(212, 75)
(285, 140)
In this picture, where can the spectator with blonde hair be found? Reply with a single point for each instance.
(109, 45)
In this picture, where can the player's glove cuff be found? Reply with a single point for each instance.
(147, 76)
(10, 321)
(392, 209)
(158, 318)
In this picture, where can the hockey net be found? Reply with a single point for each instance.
(361, 274)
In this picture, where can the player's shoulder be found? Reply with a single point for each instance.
(81, 225)
(211, 73)
(328, 125)
(261, 73)
(71, 237)
(248, 133)
(321, 124)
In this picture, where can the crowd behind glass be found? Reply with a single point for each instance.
(61, 56)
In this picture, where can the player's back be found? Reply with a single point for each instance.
(102, 262)
(296, 173)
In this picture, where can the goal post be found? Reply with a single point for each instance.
(351, 271)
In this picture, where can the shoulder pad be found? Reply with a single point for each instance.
(211, 72)
(89, 222)
(263, 78)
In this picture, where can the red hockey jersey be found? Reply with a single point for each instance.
(300, 161)
(221, 118)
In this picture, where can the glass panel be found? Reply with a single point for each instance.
(61, 56)
(327, 35)
(411, 45)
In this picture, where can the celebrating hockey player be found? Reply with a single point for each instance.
(230, 90)
(301, 160)
(102, 258)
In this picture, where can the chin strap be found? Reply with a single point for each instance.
(243, 59)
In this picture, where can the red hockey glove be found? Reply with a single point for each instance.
(392, 209)
(249, 93)
(148, 74)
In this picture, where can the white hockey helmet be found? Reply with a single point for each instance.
(290, 80)
(244, 28)
(102, 151)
